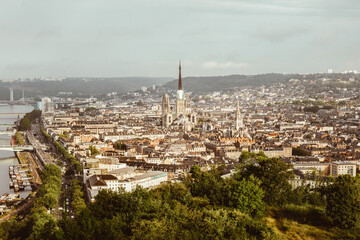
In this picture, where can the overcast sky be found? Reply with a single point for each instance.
(104, 38)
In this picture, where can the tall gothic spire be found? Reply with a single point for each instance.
(180, 81)
(238, 118)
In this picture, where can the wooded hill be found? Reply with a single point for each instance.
(78, 86)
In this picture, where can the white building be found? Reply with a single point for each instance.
(341, 168)
(118, 180)
(47, 105)
(147, 180)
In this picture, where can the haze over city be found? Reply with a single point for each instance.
(145, 38)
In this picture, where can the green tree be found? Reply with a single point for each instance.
(77, 197)
(120, 145)
(25, 124)
(300, 152)
(207, 184)
(93, 151)
(343, 201)
(247, 196)
(274, 176)
(19, 138)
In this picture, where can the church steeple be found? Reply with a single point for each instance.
(180, 104)
(238, 118)
(180, 80)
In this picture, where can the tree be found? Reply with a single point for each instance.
(206, 184)
(77, 200)
(19, 138)
(51, 170)
(274, 176)
(93, 151)
(247, 196)
(25, 124)
(343, 201)
(120, 145)
(300, 152)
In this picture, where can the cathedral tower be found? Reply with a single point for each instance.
(238, 118)
(180, 104)
(166, 114)
(187, 104)
(165, 104)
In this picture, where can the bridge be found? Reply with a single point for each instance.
(7, 125)
(9, 133)
(12, 113)
(17, 148)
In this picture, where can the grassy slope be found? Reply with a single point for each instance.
(291, 229)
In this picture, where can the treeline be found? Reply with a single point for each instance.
(208, 206)
(25, 123)
(19, 138)
(70, 158)
(79, 86)
(38, 223)
(218, 83)
(49, 192)
(45, 134)
(77, 197)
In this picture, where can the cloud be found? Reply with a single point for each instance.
(224, 65)
(276, 32)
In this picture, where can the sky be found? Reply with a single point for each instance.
(116, 38)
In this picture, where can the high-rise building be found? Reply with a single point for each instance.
(47, 105)
(180, 106)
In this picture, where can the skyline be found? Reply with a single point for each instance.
(138, 38)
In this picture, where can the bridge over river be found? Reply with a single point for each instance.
(9, 133)
(7, 125)
(12, 114)
(17, 148)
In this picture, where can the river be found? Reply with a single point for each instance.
(8, 158)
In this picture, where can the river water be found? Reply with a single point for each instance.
(8, 158)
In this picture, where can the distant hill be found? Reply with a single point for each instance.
(78, 86)
(203, 84)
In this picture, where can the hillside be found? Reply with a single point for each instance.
(217, 83)
(78, 86)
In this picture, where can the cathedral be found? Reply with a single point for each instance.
(183, 118)
(239, 129)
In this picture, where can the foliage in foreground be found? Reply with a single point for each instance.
(205, 206)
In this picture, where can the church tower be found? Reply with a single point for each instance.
(187, 104)
(238, 118)
(166, 114)
(180, 104)
(165, 104)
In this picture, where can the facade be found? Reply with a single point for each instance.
(341, 168)
(147, 180)
(126, 179)
(47, 105)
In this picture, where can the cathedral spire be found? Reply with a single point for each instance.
(238, 118)
(180, 80)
